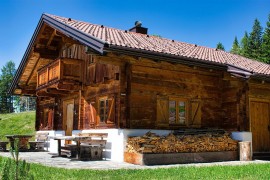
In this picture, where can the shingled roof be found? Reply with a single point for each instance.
(125, 39)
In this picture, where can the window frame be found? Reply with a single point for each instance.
(177, 119)
(106, 106)
(107, 110)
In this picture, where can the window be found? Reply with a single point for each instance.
(103, 109)
(106, 110)
(177, 111)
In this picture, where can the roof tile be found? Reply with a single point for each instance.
(134, 40)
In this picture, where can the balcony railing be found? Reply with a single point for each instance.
(65, 71)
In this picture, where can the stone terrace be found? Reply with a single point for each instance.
(46, 159)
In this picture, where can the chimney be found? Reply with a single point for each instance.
(138, 28)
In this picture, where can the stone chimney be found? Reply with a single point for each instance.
(138, 28)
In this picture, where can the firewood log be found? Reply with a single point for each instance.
(152, 143)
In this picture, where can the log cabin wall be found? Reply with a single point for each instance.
(259, 89)
(100, 98)
(173, 96)
(234, 94)
(143, 93)
(49, 98)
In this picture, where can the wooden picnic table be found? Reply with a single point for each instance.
(76, 139)
(23, 140)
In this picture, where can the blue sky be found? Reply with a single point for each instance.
(202, 22)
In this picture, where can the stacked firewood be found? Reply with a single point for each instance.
(152, 143)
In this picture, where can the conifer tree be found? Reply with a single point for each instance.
(255, 40)
(265, 55)
(244, 46)
(220, 46)
(6, 100)
(235, 47)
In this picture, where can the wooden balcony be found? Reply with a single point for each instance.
(61, 75)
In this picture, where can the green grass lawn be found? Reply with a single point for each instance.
(17, 123)
(23, 123)
(253, 171)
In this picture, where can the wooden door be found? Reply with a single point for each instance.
(259, 121)
(68, 108)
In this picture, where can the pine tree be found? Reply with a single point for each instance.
(6, 100)
(255, 40)
(235, 47)
(220, 46)
(265, 55)
(27, 103)
(244, 46)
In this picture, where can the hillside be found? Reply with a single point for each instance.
(17, 123)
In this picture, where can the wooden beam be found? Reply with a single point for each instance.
(46, 53)
(67, 40)
(70, 87)
(40, 32)
(55, 91)
(128, 93)
(45, 94)
(33, 70)
(28, 92)
(42, 46)
(51, 38)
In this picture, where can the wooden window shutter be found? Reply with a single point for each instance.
(50, 118)
(111, 110)
(162, 111)
(91, 76)
(195, 114)
(100, 72)
(90, 116)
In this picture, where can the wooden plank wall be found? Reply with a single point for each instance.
(102, 80)
(234, 102)
(137, 83)
(151, 79)
(221, 98)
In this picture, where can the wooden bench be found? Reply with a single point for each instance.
(69, 150)
(3, 145)
(95, 139)
(41, 138)
(92, 148)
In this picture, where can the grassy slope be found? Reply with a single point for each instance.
(17, 123)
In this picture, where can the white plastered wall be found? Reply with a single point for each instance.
(116, 140)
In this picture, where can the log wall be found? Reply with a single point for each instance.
(151, 80)
(234, 102)
(102, 82)
(140, 90)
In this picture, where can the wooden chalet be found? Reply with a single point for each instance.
(89, 77)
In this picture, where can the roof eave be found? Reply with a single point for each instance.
(86, 39)
(165, 57)
(261, 76)
(18, 74)
(239, 72)
(94, 43)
